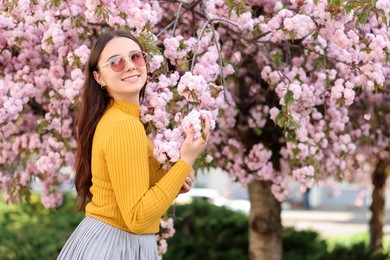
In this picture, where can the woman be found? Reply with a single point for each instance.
(119, 183)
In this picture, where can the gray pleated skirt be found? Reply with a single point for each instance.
(97, 240)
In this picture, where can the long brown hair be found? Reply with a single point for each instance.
(94, 102)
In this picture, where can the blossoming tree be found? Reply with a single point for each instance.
(276, 79)
(370, 165)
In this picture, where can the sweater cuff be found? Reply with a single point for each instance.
(183, 165)
(178, 173)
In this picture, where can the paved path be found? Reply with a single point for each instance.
(331, 221)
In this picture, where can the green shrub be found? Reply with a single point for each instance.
(356, 251)
(302, 245)
(205, 231)
(29, 231)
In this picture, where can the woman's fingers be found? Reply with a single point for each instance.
(188, 181)
(186, 185)
(206, 130)
(191, 175)
(191, 149)
(190, 133)
(185, 188)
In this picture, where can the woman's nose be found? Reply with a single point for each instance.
(130, 64)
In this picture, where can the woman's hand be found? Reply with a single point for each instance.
(188, 183)
(191, 149)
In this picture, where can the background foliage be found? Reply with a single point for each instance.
(29, 231)
(203, 231)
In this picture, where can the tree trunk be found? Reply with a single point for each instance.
(265, 226)
(377, 207)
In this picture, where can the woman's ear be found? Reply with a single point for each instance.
(99, 79)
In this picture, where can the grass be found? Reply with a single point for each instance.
(349, 240)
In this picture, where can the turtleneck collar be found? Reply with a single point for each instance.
(129, 108)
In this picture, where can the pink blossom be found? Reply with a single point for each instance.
(274, 112)
(195, 119)
(209, 158)
(296, 90)
(305, 175)
(52, 200)
(155, 62)
(300, 24)
(191, 86)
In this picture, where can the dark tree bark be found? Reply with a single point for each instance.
(265, 226)
(377, 207)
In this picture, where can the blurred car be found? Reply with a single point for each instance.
(215, 198)
(243, 206)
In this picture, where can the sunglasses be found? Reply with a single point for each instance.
(118, 63)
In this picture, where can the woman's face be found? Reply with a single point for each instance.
(124, 85)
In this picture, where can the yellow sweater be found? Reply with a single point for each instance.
(129, 189)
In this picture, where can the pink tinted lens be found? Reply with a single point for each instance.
(118, 64)
(138, 58)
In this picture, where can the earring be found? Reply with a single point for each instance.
(102, 87)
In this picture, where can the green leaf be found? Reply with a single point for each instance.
(98, 11)
(388, 57)
(50, 41)
(278, 58)
(42, 127)
(362, 18)
(79, 21)
(292, 35)
(366, 49)
(194, 96)
(19, 121)
(327, 82)
(315, 35)
(182, 45)
(384, 19)
(319, 63)
(257, 131)
(279, 120)
(238, 6)
(288, 98)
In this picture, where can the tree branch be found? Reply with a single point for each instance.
(173, 23)
(177, 19)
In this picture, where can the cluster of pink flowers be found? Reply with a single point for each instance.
(135, 14)
(155, 62)
(167, 231)
(258, 116)
(258, 161)
(168, 141)
(192, 87)
(11, 104)
(79, 57)
(311, 94)
(196, 119)
(177, 48)
(305, 175)
(158, 95)
(167, 146)
(72, 86)
(383, 5)
(300, 24)
(207, 65)
(52, 199)
(342, 91)
(218, 9)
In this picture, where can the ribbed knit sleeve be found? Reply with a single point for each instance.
(126, 156)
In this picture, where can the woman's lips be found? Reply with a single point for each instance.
(132, 78)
